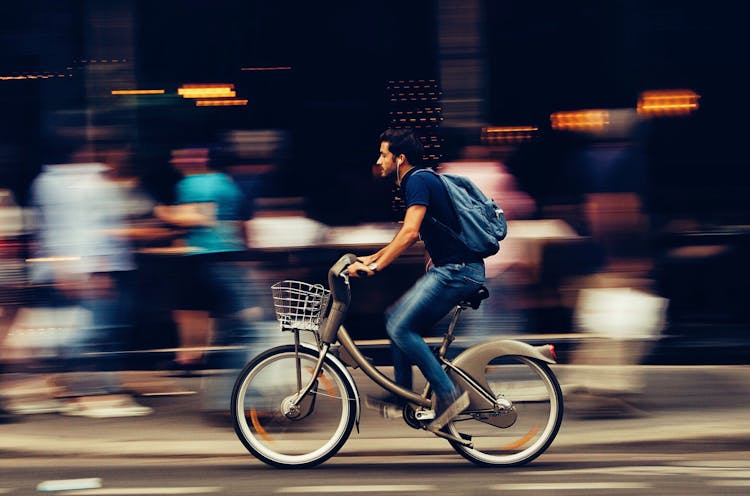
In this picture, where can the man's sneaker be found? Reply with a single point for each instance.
(446, 409)
(389, 407)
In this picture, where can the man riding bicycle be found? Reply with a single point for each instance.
(453, 272)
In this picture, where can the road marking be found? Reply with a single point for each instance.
(115, 491)
(725, 473)
(569, 486)
(730, 483)
(69, 484)
(716, 463)
(651, 470)
(639, 470)
(394, 488)
(622, 470)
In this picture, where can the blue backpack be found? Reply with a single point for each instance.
(481, 220)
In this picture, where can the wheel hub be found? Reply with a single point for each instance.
(289, 409)
(503, 404)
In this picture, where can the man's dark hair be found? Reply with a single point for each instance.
(404, 140)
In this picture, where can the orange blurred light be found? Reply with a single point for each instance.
(45, 75)
(510, 129)
(507, 134)
(667, 102)
(137, 92)
(580, 120)
(206, 90)
(220, 102)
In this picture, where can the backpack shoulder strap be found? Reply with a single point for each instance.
(425, 169)
(447, 187)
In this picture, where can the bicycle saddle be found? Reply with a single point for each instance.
(474, 300)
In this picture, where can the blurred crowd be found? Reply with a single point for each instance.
(94, 252)
(73, 282)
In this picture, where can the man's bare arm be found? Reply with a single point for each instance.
(406, 236)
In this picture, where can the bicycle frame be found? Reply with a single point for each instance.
(333, 330)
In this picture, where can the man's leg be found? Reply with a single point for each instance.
(430, 299)
(401, 367)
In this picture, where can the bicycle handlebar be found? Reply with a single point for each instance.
(338, 283)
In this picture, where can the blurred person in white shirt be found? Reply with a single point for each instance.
(82, 260)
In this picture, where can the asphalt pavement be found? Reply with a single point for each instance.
(691, 405)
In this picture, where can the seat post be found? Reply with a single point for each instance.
(448, 337)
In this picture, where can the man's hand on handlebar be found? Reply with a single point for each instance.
(359, 268)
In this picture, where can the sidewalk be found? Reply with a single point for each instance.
(691, 405)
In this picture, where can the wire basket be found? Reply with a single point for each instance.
(299, 305)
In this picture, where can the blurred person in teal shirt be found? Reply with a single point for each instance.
(212, 210)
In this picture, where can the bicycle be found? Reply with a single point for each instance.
(295, 405)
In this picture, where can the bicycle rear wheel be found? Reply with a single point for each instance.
(520, 436)
(316, 432)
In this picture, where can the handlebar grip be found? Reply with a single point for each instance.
(341, 296)
(342, 263)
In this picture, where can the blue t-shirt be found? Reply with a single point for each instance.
(221, 190)
(426, 189)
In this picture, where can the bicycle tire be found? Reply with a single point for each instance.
(537, 401)
(284, 442)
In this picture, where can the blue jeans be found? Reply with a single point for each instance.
(429, 300)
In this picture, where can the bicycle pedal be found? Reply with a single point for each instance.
(423, 414)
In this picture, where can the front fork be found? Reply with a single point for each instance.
(299, 404)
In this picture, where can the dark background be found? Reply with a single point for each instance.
(542, 57)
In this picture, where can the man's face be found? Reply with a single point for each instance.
(386, 160)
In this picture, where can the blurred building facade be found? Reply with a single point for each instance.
(323, 78)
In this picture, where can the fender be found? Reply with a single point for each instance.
(482, 353)
(474, 360)
(345, 373)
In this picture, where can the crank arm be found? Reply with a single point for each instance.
(460, 440)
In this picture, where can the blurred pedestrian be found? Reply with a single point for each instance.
(211, 208)
(617, 305)
(83, 263)
(12, 282)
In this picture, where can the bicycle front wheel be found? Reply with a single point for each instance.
(535, 402)
(262, 419)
